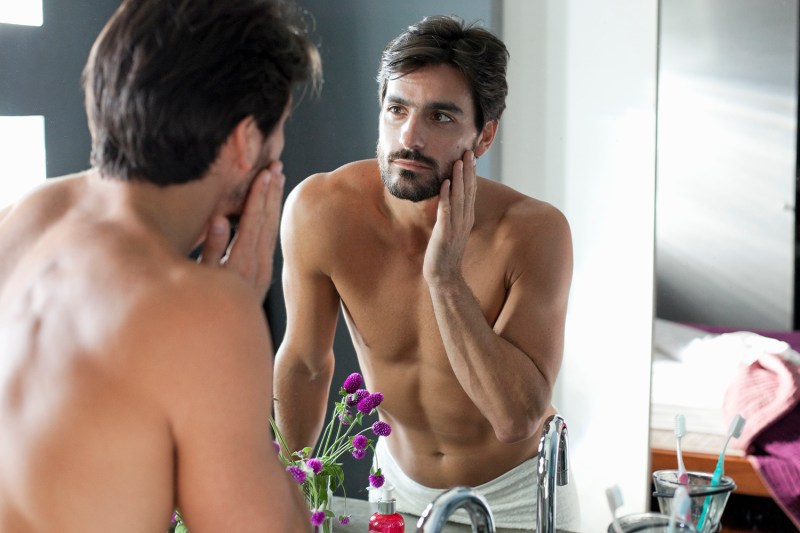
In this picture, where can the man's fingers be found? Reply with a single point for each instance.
(267, 237)
(457, 190)
(251, 253)
(470, 181)
(273, 203)
(216, 242)
(254, 246)
(252, 219)
(443, 211)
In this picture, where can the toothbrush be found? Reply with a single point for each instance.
(681, 509)
(734, 431)
(680, 432)
(614, 497)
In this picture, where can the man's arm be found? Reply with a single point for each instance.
(304, 362)
(228, 475)
(521, 354)
(272, 502)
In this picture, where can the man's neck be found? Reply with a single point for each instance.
(178, 213)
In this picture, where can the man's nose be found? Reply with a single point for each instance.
(412, 134)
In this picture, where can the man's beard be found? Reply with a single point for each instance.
(412, 185)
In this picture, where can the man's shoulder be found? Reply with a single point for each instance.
(47, 201)
(364, 167)
(193, 309)
(336, 192)
(343, 178)
(509, 207)
(202, 289)
(156, 289)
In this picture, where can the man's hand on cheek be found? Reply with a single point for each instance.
(454, 219)
(251, 251)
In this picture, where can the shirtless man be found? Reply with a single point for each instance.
(454, 287)
(132, 379)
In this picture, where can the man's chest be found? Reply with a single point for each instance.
(387, 298)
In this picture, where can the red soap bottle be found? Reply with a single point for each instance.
(387, 519)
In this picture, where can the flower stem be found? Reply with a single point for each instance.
(281, 442)
(328, 430)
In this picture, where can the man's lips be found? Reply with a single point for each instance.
(411, 164)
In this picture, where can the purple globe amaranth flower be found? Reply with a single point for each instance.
(355, 397)
(370, 402)
(344, 520)
(381, 428)
(360, 442)
(358, 454)
(365, 406)
(315, 465)
(376, 480)
(317, 518)
(352, 383)
(297, 473)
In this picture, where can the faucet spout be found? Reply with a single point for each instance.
(552, 469)
(439, 510)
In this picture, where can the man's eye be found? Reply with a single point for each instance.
(442, 117)
(394, 109)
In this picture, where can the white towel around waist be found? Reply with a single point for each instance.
(511, 496)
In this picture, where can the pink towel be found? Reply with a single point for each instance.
(767, 394)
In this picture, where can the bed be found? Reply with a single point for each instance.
(709, 374)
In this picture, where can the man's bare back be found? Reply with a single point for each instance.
(100, 368)
(83, 429)
(133, 379)
(440, 438)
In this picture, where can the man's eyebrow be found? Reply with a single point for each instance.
(433, 106)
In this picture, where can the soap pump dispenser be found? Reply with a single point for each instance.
(386, 519)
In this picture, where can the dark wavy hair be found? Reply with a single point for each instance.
(473, 50)
(167, 81)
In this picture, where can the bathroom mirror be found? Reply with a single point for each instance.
(579, 132)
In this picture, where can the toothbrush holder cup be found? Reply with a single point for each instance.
(701, 494)
(650, 523)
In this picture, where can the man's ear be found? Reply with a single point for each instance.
(244, 143)
(486, 137)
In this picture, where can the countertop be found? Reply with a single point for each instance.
(360, 511)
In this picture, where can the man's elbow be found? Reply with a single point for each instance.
(314, 369)
(515, 429)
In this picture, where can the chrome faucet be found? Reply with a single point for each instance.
(552, 467)
(439, 510)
